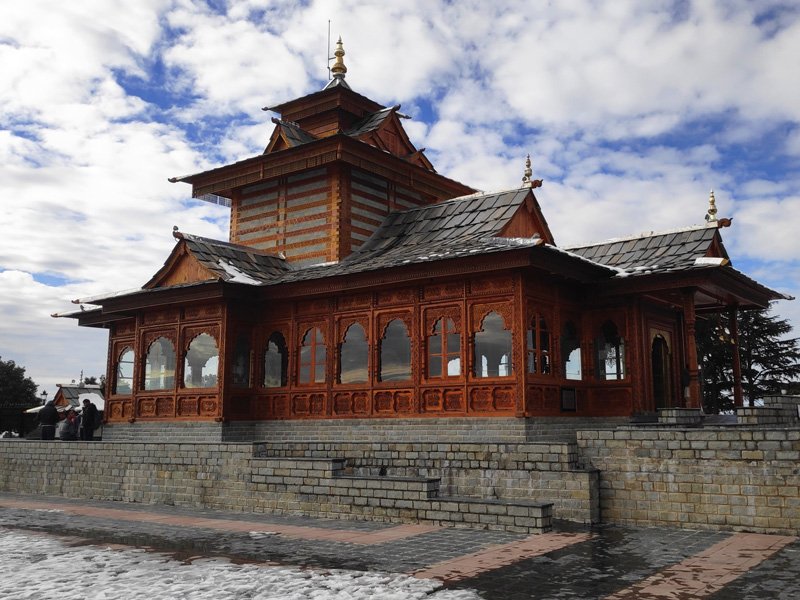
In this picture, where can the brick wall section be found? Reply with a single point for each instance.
(741, 479)
(230, 477)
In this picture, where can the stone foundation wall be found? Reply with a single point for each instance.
(234, 477)
(734, 478)
(448, 430)
(544, 472)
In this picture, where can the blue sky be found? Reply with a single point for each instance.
(631, 112)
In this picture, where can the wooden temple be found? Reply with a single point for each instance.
(359, 282)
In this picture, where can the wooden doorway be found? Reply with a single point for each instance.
(661, 369)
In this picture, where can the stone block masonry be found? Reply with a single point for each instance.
(232, 477)
(732, 478)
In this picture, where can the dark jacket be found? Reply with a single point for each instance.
(48, 415)
(89, 418)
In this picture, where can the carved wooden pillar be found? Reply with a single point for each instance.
(733, 324)
(690, 320)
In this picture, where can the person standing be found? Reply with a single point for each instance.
(69, 426)
(48, 418)
(88, 420)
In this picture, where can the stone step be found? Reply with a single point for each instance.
(324, 482)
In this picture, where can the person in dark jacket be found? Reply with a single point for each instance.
(48, 417)
(88, 420)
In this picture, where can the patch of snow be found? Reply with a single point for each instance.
(714, 261)
(46, 568)
(236, 275)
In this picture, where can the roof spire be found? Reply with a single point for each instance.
(711, 215)
(338, 69)
(528, 174)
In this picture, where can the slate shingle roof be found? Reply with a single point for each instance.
(371, 122)
(295, 136)
(651, 253)
(461, 227)
(235, 263)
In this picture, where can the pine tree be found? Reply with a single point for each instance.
(715, 358)
(769, 359)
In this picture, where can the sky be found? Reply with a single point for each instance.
(105, 573)
(631, 112)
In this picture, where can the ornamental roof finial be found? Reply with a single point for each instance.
(711, 215)
(527, 180)
(338, 69)
(526, 176)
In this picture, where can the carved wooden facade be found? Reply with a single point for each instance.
(431, 301)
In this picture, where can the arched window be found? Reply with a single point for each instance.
(492, 348)
(159, 370)
(571, 352)
(444, 350)
(610, 353)
(201, 363)
(313, 354)
(354, 356)
(538, 346)
(241, 361)
(276, 361)
(395, 352)
(124, 381)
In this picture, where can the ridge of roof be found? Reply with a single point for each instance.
(642, 235)
(478, 194)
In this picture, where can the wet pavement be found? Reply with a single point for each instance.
(608, 561)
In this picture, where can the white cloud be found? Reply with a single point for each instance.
(631, 113)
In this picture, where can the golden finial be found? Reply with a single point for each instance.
(338, 69)
(711, 215)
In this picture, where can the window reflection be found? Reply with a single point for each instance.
(538, 343)
(610, 353)
(124, 381)
(354, 356)
(395, 353)
(241, 361)
(492, 348)
(275, 361)
(159, 369)
(444, 350)
(201, 364)
(571, 352)
(313, 354)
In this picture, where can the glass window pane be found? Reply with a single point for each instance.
(434, 366)
(241, 361)
(395, 353)
(275, 361)
(572, 369)
(435, 344)
(354, 356)
(492, 348)
(454, 366)
(124, 381)
(312, 357)
(159, 370)
(453, 342)
(201, 364)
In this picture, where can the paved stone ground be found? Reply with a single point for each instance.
(615, 562)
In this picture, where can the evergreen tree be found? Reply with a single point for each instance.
(17, 393)
(715, 358)
(769, 359)
(15, 389)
